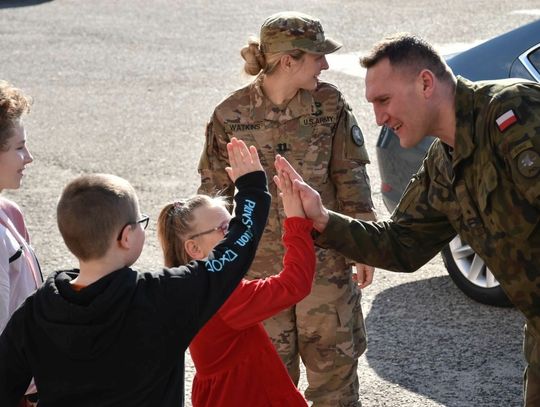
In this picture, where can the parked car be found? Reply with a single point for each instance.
(514, 54)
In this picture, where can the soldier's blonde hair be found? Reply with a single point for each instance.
(176, 223)
(257, 61)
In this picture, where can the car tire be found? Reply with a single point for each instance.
(471, 275)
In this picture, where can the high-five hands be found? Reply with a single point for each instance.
(311, 200)
(292, 204)
(242, 159)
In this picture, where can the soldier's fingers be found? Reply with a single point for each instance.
(300, 186)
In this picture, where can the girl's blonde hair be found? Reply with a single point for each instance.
(175, 224)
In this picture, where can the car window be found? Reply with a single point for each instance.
(534, 57)
(528, 64)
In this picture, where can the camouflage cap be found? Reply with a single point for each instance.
(291, 30)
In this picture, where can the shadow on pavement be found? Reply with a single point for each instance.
(21, 3)
(429, 338)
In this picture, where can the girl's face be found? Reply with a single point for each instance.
(210, 226)
(14, 158)
(307, 71)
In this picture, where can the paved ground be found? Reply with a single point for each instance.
(126, 87)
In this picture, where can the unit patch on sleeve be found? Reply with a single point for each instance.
(505, 120)
(528, 163)
(357, 135)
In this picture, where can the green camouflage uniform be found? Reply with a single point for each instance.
(317, 133)
(487, 189)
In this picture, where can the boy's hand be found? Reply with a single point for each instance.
(242, 159)
(311, 200)
(292, 204)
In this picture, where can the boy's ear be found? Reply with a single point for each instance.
(124, 237)
(193, 250)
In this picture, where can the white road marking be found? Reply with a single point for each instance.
(527, 12)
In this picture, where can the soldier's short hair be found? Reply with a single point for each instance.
(13, 105)
(408, 51)
(92, 211)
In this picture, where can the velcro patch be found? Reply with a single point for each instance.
(505, 120)
(357, 135)
(528, 163)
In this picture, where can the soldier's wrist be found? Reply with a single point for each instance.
(320, 223)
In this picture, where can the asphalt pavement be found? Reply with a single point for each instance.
(127, 87)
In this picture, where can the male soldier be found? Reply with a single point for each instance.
(481, 178)
(287, 110)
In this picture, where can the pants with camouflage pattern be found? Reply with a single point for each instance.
(531, 377)
(329, 336)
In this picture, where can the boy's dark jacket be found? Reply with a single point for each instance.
(121, 340)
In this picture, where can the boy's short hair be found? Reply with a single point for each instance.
(92, 211)
(408, 51)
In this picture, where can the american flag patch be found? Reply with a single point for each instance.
(506, 120)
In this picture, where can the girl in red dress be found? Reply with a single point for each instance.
(236, 363)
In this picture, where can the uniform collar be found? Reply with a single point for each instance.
(464, 108)
(263, 109)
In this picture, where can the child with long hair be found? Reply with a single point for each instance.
(236, 363)
(20, 274)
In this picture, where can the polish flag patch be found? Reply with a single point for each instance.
(506, 120)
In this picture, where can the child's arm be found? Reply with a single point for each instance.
(257, 300)
(196, 291)
(15, 375)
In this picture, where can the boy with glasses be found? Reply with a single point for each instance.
(107, 335)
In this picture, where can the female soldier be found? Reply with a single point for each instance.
(287, 110)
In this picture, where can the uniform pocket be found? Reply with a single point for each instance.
(351, 339)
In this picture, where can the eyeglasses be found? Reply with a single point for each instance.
(145, 219)
(224, 227)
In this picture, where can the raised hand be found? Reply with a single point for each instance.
(292, 204)
(311, 200)
(242, 159)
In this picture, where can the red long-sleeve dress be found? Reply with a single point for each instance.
(236, 363)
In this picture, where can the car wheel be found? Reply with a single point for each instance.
(471, 275)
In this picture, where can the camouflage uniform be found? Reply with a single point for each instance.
(487, 189)
(317, 132)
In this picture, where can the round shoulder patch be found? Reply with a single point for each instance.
(528, 163)
(357, 136)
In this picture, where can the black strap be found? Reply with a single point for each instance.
(17, 254)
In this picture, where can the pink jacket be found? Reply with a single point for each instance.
(20, 275)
